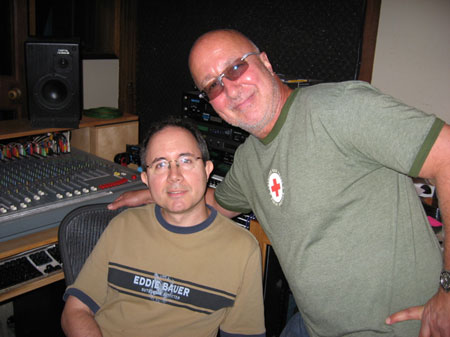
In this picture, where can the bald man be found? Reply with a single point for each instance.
(327, 172)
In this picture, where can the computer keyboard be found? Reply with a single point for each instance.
(33, 264)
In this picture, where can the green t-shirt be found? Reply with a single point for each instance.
(330, 187)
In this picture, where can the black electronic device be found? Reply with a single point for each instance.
(219, 134)
(131, 156)
(222, 138)
(53, 72)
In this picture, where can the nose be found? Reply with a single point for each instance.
(174, 172)
(231, 88)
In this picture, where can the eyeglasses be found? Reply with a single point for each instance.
(162, 166)
(233, 72)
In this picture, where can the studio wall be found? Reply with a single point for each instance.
(318, 39)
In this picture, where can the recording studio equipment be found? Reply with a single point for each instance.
(222, 138)
(39, 186)
(53, 75)
(295, 82)
(131, 156)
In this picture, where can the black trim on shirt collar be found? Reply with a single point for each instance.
(185, 230)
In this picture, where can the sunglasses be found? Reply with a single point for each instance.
(233, 72)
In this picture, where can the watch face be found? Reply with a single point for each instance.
(445, 280)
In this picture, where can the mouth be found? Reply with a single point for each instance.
(176, 193)
(243, 104)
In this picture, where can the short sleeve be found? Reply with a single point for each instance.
(373, 126)
(246, 316)
(91, 284)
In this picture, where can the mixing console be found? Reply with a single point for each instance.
(37, 191)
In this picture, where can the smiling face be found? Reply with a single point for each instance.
(252, 102)
(178, 191)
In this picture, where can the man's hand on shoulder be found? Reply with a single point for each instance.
(132, 199)
(435, 316)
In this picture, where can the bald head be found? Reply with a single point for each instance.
(216, 42)
(253, 99)
(225, 34)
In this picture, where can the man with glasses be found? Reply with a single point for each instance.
(326, 171)
(176, 268)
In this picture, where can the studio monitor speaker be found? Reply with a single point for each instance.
(53, 84)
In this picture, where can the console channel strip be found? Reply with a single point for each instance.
(37, 191)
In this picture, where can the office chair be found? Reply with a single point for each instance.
(78, 233)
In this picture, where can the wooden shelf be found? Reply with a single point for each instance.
(31, 285)
(22, 127)
(22, 244)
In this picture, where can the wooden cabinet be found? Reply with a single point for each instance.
(101, 137)
(106, 141)
(260, 235)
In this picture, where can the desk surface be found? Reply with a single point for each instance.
(23, 244)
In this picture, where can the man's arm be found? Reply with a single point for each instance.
(142, 197)
(211, 200)
(437, 169)
(435, 315)
(131, 199)
(77, 320)
(247, 313)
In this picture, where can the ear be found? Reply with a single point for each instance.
(265, 60)
(209, 166)
(144, 178)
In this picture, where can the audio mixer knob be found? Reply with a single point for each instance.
(59, 196)
(69, 194)
(3, 210)
(13, 207)
(85, 190)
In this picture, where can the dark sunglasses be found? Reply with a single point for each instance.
(233, 72)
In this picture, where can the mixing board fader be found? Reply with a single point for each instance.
(36, 191)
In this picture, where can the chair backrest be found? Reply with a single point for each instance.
(78, 233)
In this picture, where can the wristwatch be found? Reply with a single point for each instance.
(445, 280)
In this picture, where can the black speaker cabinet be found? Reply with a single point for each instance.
(53, 84)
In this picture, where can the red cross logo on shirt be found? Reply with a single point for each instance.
(275, 187)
